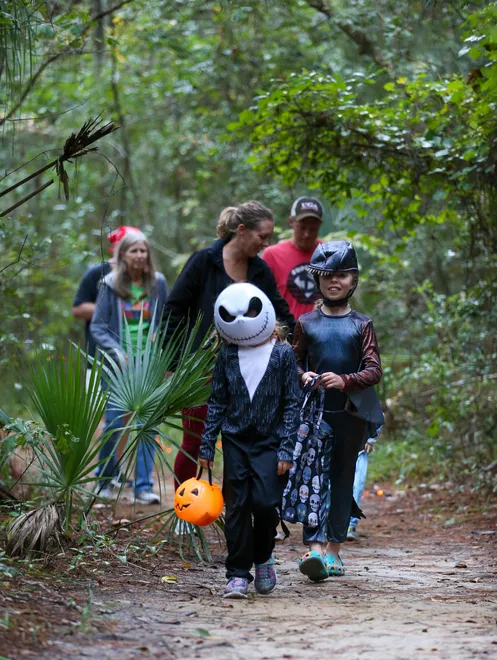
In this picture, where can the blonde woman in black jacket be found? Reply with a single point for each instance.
(243, 231)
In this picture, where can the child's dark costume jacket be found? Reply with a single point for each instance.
(273, 412)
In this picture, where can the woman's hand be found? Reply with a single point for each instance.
(308, 376)
(204, 463)
(283, 466)
(331, 381)
(369, 448)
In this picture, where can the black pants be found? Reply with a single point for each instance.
(252, 491)
(348, 436)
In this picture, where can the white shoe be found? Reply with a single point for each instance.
(147, 497)
(106, 494)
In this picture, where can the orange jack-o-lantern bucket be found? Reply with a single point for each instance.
(198, 501)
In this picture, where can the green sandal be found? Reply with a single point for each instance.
(312, 565)
(334, 565)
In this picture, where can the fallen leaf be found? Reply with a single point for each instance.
(168, 579)
(461, 564)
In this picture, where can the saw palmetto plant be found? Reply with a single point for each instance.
(71, 409)
(153, 401)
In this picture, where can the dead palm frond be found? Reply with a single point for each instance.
(77, 145)
(31, 531)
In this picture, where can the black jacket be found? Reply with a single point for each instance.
(202, 280)
(273, 412)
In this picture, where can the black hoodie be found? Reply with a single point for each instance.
(202, 280)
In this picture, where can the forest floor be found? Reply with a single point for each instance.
(421, 582)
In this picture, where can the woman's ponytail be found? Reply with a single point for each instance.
(228, 222)
(249, 214)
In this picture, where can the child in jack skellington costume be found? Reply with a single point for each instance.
(254, 402)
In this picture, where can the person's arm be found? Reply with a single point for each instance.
(183, 295)
(291, 397)
(371, 371)
(300, 349)
(283, 313)
(100, 326)
(217, 405)
(83, 311)
(161, 297)
(83, 304)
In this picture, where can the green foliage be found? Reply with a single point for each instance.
(385, 110)
(139, 386)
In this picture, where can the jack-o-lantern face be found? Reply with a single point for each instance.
(197, 502)
(244, 315)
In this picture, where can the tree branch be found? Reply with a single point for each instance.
(31, 82)
(358, 36)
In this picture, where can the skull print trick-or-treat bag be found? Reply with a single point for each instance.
(305, 496)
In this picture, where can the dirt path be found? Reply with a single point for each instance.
(414, 588)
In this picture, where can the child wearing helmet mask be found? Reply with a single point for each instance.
(254, 404)
(338, 346)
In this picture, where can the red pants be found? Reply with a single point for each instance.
(184, 467)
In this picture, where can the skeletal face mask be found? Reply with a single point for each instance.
(244, 315)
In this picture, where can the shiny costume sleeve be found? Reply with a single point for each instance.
(300, 347)
(371, 371)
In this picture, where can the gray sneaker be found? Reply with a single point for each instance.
(106, 494)
(265, 577)
(147, 497)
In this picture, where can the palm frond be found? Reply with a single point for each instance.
(71, 411)
(140, 388)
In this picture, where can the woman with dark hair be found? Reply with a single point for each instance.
(243, 231)
(134, 291)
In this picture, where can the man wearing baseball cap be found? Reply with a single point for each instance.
(289, 259)
(86, 295)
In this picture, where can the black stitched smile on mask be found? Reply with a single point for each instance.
(266, 323)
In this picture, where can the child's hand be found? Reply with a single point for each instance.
(308, 376)
(283, 466)
(204, 463)
(331, 381)
(369, 447)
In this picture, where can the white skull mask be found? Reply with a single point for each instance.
(244, 315)
(316, 486)
(311, 456)
(303, 494)
(297, 451)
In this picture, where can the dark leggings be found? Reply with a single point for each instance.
(348, 436)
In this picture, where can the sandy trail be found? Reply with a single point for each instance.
(414, 588)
